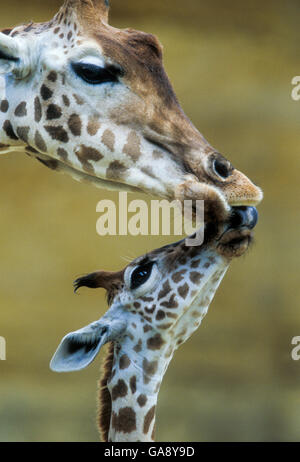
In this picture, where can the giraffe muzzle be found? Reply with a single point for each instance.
(238, 235)
(243, 217)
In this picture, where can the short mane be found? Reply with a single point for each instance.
(104, 407)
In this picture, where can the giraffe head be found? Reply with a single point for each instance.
(95, 101)
(156, 303)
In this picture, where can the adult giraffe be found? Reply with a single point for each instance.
(95, 102)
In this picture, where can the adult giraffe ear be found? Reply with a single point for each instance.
(9, 53)
(91, 10)
(15, 55)
(78, 349)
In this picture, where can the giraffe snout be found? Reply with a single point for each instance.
(243, 217)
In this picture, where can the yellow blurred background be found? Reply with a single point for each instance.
(231, 64)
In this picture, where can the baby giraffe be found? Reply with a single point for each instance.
(155, 304)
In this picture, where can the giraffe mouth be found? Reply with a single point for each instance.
(238, 235)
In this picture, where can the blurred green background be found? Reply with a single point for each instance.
(231, 64)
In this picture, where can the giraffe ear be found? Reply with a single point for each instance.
(15, 55)
(78, 349)
(9, 53)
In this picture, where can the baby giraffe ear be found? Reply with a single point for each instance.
(78, 349)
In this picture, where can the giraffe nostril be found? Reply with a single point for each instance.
(222, 168)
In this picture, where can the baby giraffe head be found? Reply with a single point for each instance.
(155, 304)
(95, 101)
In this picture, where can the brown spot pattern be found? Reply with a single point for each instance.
(52, 76)
(148, 419)
(195, 277)
(75, 124)
(150, 367)
(165, 326)
(93, 126)
(195, 264)
(120, 390)
(142, 400)
(7, 127)
(78, 100)
(53, 112)
(183, 290)
(172, 303)
(85, 154)
(21, 110)
(57, 133)
(160, 315)
(66, 100)
(22, 133)
(138, 346)
(4, 105)
(132, 384)
(172, 315)
(178, 276)
(155, 342)
(125, 421)
(147, 299)
(46, 93)
(37, 109)
(39, 142)
(115, 170)
(108, 139)
(165, 290)
(133, 146)
(124, 362)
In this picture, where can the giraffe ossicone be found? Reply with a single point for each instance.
(155, 304)
(95, 102)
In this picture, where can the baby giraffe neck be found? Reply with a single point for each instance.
(133, 386)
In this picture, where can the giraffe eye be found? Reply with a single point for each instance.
(140, 275)
(95, 75)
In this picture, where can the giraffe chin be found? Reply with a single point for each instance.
(236, 239)
(235, 243)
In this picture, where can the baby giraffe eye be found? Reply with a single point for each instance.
(95, 75)
(140, 275)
